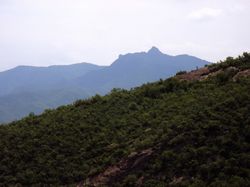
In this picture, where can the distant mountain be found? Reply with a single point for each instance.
(28, 78)
(28, 89)
(134, 69)
(16, 106)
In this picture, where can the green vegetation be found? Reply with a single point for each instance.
(181, 72)
(201, 130)
(242, 63)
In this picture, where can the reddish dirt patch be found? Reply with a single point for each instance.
(194, 75)
(116, 172)
(176, 180)
(244, 73)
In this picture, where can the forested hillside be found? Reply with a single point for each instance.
(189, 130)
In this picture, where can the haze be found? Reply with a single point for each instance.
(49, 32)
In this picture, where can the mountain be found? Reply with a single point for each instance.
(189, 130)
(28, 78)
(134, 69)
(15, 106)
(28, 89)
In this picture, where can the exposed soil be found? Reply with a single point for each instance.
(244, 73)
(114, 173)
(204, 73)
(194, 75)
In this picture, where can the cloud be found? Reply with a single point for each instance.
(205, 13)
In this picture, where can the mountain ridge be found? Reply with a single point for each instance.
(141, 66)
(84, 80)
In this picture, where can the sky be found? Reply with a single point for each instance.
(50, 32)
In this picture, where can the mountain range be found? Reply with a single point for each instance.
(27, 89)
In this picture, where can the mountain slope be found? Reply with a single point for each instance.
(134, 69)
(168, 133)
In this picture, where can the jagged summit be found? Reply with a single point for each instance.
(154, 50)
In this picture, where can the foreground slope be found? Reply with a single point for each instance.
(169, 133)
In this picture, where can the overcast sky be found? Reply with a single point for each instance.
(46, 32)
